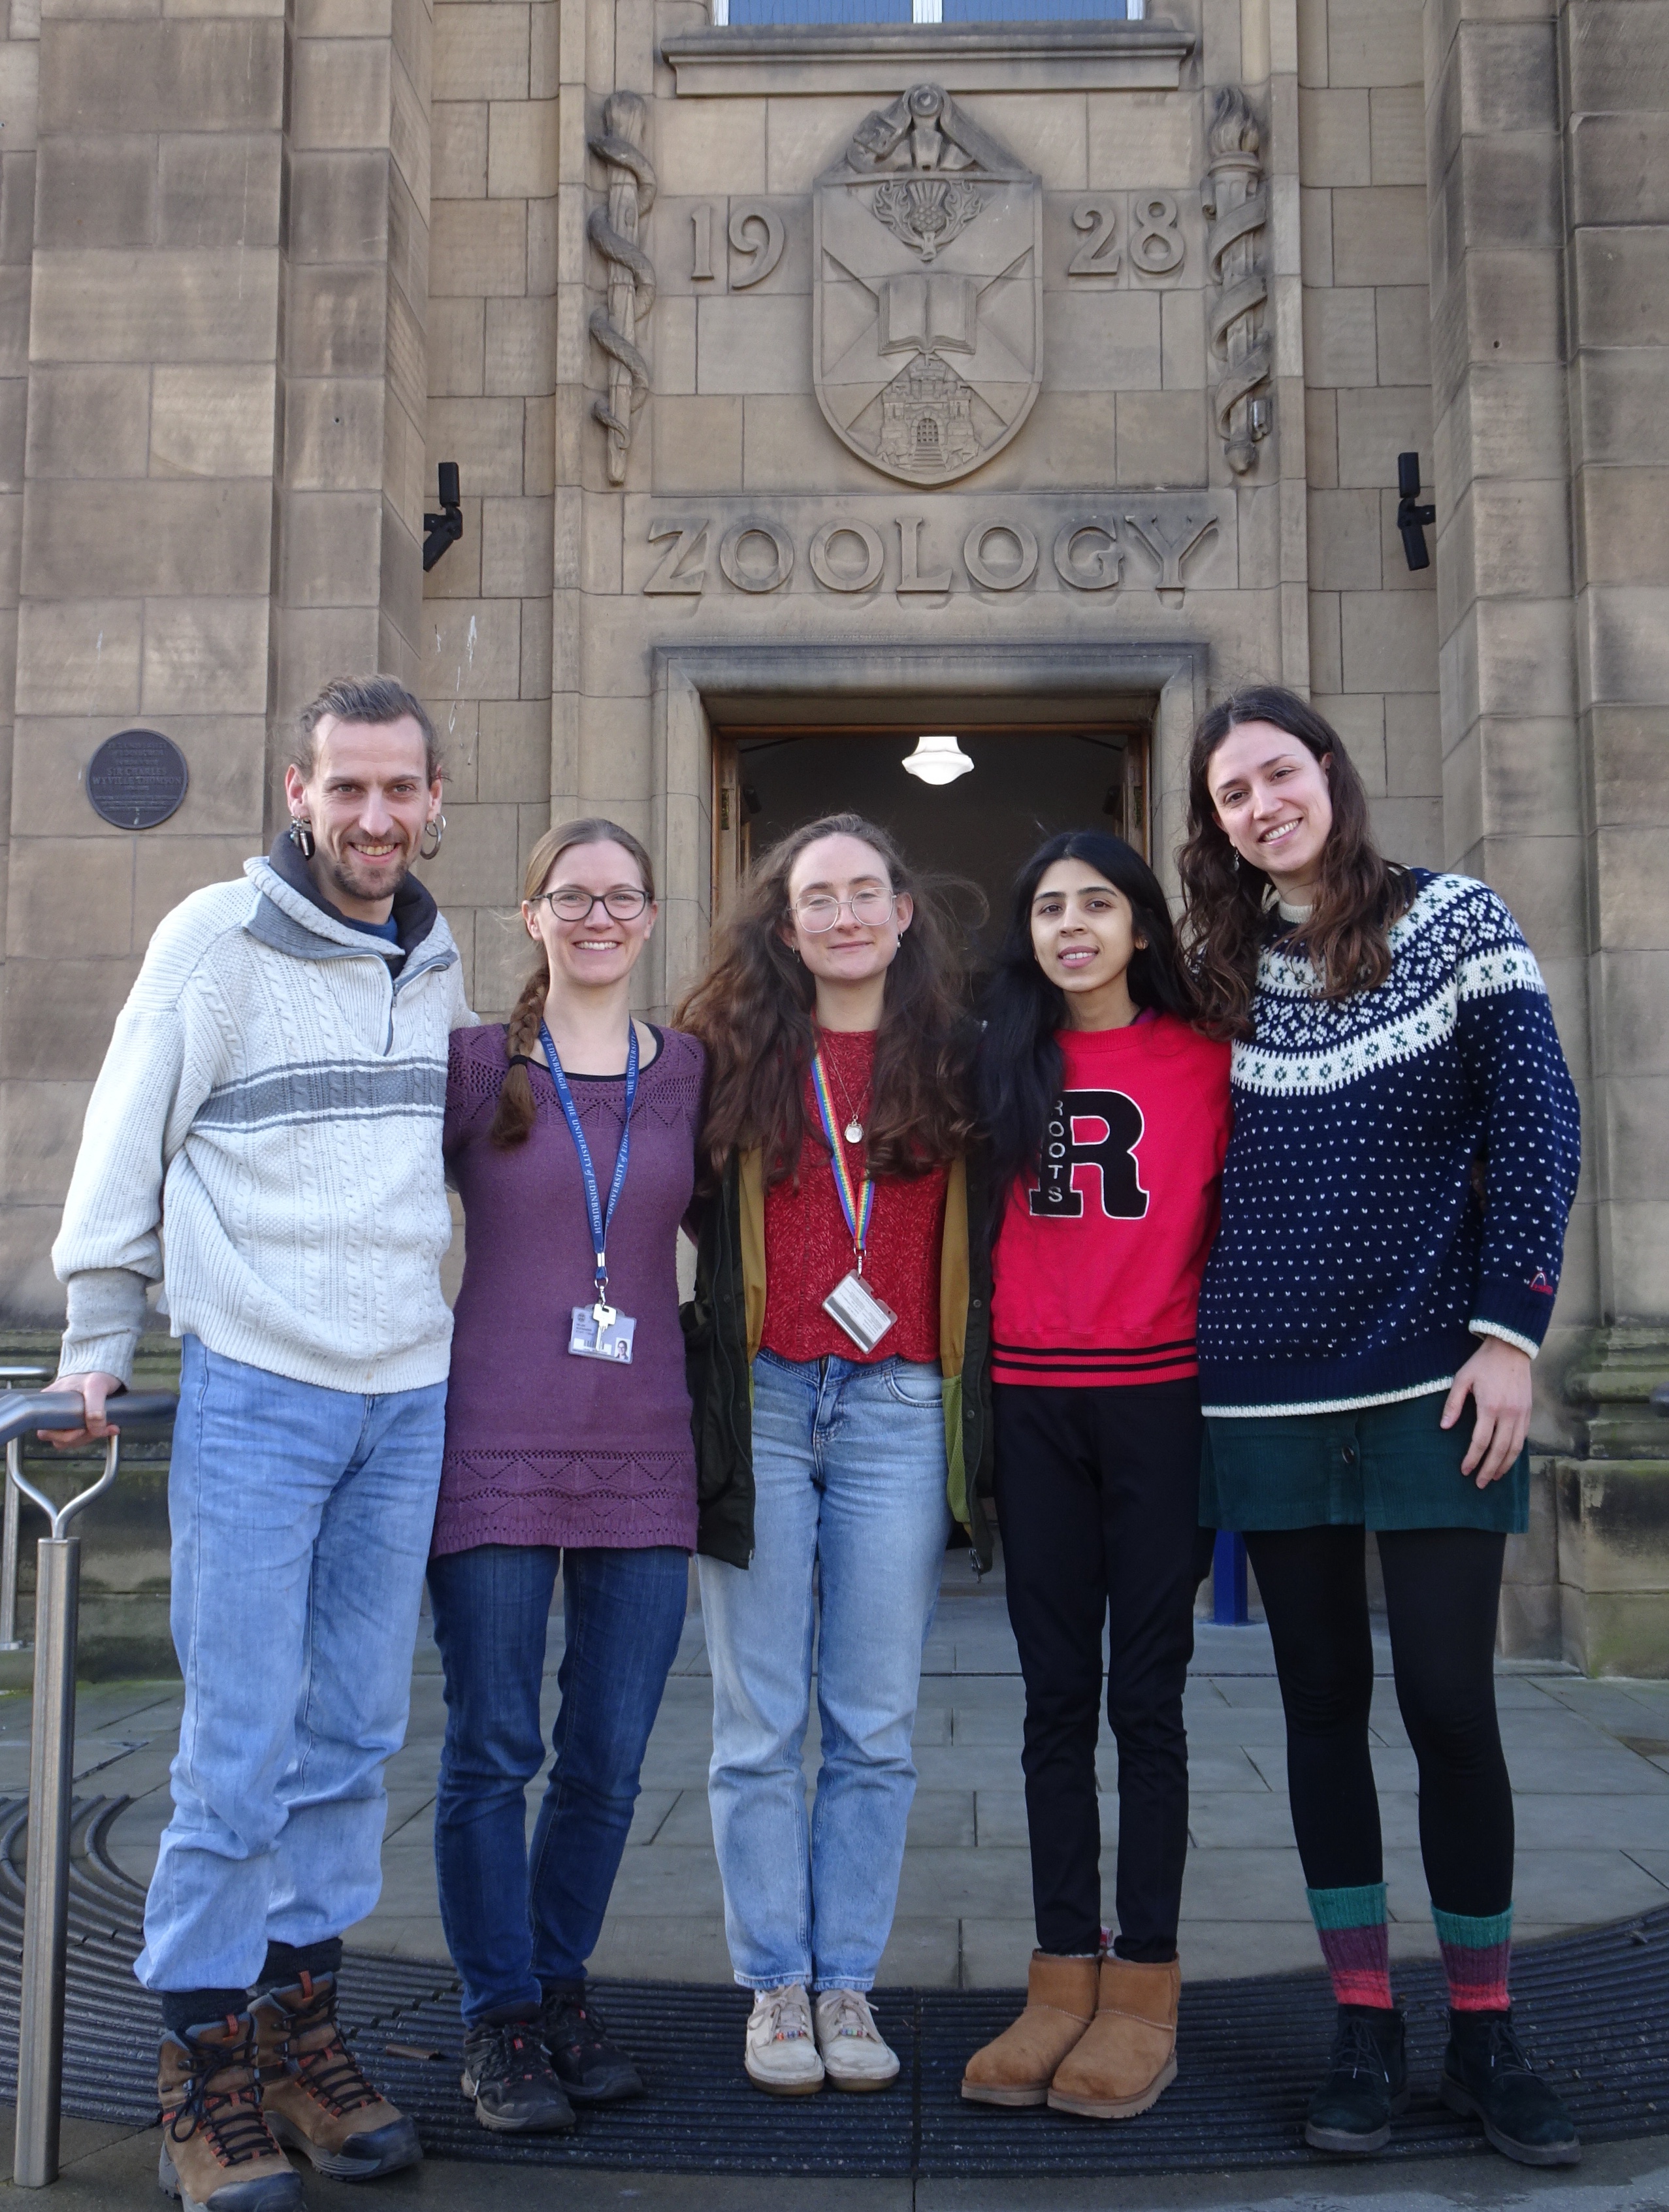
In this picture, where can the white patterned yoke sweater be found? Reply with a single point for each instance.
(270, 1111)
(1401, 1170)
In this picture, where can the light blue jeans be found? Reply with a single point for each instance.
(850, 1525)
(300, 1520)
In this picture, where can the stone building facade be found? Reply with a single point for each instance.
(817, 385)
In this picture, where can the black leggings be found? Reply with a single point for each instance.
(1442, 1590)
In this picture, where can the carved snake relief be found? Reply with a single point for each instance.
(613, 230)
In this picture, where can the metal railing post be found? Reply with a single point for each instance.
(9, 1639)
(51, 1768)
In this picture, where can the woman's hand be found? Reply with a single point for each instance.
(1497, 1379)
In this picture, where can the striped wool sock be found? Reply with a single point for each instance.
(1475, 1954)
(1350, 1924)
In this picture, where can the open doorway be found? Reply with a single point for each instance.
(1027, 782)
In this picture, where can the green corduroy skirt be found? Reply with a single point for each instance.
(1375, 1467)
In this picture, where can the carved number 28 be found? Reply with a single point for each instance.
(1156, 245)
(1095, 257)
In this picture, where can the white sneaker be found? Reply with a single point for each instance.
(853, 2054)
(782, 2050)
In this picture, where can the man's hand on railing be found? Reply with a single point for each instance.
(92, 1390)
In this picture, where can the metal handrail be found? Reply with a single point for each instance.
(52, 1757)
(10, 1376)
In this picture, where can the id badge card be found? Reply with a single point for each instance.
(859, 1311)
(593, 1338)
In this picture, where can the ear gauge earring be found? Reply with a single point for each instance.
(301, 835)
(435, 830)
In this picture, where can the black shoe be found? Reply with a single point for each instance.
(591, 2068)
(506, 2072)
(1367, 2083)
(1487, 2075)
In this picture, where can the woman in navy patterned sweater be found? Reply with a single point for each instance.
(1403, 1158)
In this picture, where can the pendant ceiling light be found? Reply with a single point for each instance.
(937, 760)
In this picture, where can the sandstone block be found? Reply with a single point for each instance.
(1623, 279)
(1508, 74)
(1389, 641)
(477, 247)
(1375, 426)
(1621, 406)
(332, 548)
(517, 545)
(1137, 139)
(134, 537)
(459, 149)
(40, 1136)
(1627, 642)
(1161, 438)
(218, 189)
(205, 656)
(520, 345)
(1345, 540)
(1312, 42)
(166, 870)
(343, 93)
(705, 146)
(485, 437)
(95, 190)
(1631, 1012)
(1629, 749)
(456, 347)
(804, 136)
(1413, 744)
(1637, 1115)
(162, 76)
(1402, 329)
(1398, 135)
(333, 433)
(1359, 718)
(696, 444)
(337, 322)
(1619, 168)
(339, 206)
(1050, 135)
(17, 183)
(344, 19)
(1409, 829)
(1340, 342)
(514, 757)
(536, 648)
(1380, 235)
(471, 649)
(749, 344)
(1315, 235)
(674, 368)
(74, 893)
(87, 422)
(59, 1014)
(1373, 44)
(315, 643)
(78, 657)
(1327, 654)
(1333, 142)
(521, 158)
(478, 865)
(1605, 72)
(1102, 341)
(1321, 439)
(111, 306)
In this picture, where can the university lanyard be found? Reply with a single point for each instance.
(856, 1205)
(599, 1219)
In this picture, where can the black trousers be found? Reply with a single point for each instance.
(1442, 1587)
(1098, 1502)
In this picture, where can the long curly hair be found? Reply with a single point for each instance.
(752, 1011)
(1019, 1065)
(1225, 925)
(512, 1118)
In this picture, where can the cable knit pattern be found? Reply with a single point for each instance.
(275, 1092)
(1355, 1264)
(543, 1447)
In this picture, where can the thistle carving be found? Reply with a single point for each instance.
(613, 230)
(1237, 205)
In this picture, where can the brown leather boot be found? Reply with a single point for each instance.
(217, 2152)
(315, 2097)
(1018, 2067)
(1127, 2054)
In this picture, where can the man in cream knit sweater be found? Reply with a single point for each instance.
(264, 1140)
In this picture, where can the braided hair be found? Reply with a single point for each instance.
(513, 1119)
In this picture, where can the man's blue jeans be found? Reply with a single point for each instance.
(300, 1522)
(850, 1523)
(518, 1917)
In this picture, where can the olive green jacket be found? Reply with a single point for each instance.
(723, 1324)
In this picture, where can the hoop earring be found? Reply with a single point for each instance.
(437, 829)
(301, 835)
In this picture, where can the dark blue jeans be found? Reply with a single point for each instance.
(518, 1919)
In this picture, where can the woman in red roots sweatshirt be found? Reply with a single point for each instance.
(1107, 1117)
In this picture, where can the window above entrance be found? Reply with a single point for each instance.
(749, 13)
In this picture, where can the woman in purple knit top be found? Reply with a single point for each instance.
(567, 1445)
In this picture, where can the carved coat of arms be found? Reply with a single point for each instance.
(927, 307)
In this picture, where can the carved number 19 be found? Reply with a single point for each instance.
(1095, 257)
(701, 267)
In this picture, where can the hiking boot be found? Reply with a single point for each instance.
(855, 2054)
(1366, 2083)
(218, 2153)
(1019, 2066)
(781, 2055)
(592, 2069)
(506, 2072)
(1487, 2075)
(315, 2098)
(1125, 2059)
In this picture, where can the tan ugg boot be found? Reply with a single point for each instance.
(1018, 2067)
(315, 2096)
(1127, 2054)
(217, 2153)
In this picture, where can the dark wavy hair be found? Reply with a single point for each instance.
(1018, 1070)
(752, 1009)
(1225, 925)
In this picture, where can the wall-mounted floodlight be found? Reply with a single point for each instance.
(446, 528)
(1411, 517)
(937, 760)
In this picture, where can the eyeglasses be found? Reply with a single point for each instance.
(818, 911)
(625, 902)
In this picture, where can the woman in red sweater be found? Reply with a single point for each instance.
(1107, 1117)
(837, 1114)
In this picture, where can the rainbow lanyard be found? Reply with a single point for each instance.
(856, 1206)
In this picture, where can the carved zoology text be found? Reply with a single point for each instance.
(614, 231)
(1237, 206)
